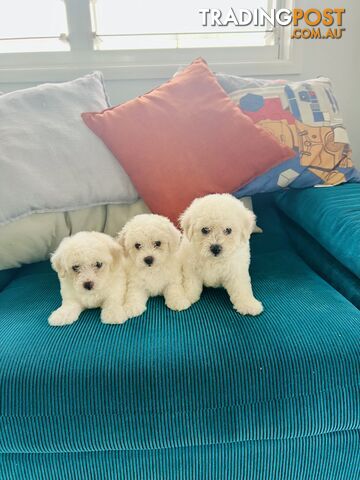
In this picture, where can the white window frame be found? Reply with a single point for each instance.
(141, 64)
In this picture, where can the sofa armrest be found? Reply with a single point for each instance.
(323, 263)
(331, 216)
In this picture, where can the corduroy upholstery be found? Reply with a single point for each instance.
(205, 393)
(323, 263)
(331, 216)
(334, 456)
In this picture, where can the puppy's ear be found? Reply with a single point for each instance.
(186, 224)
(115, 249)
(174, 238)
(247, 225)
(116, 252)
(57, 259)
(120, 240)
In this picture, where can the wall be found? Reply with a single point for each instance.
(337, 59)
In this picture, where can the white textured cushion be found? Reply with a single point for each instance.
(49, 160)
(33, 238)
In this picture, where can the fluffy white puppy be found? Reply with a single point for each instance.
(215, 250)
(91, 276)
(151, 245)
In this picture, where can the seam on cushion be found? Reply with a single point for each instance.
(193, 444)
(66, 209)
(67, 222)
(102, 81)
(200, 445)
(192, 410)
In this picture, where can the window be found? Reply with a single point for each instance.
(33, 26)
(52, 40)
(173, 24)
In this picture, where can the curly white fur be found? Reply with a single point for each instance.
(215, 250)
(151, 245)
(89, 266)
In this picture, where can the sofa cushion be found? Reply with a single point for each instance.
(44, 231)
(333, 456)
(169, 160)
(49, 161)
(55, 175)
(5, 277)
(323, 263)
(306, 117)
(169, 379)
(331, 216)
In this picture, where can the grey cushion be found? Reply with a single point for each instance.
(49, 160)
(232, 82)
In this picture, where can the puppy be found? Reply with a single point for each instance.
(151, 245)
(91, 276)
(215, 250)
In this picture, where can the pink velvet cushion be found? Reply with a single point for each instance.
(184, 140)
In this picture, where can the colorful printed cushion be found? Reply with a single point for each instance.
(186, 139)
(306, 117)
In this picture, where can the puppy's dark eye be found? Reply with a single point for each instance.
(76, 268)
(227, 231)
(98, 264)
(157, 244)
(137, 246)
(205, 230)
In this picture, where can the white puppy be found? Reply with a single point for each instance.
(151, 245)
(215, 250)
(91, 276)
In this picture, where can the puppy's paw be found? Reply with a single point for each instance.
(134, 310)
(192, 292)
(113, 315)
(193, 297)
(63, 316)
(177, 303)
(249, 307)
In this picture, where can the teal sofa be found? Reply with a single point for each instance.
(201, 394)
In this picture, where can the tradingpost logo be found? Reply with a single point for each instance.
(307, 24)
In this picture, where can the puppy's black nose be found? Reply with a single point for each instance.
(149, 260)
(88, 285)
(215, 249)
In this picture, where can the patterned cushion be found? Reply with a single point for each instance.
(304, 116)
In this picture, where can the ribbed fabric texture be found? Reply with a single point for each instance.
(5, 277)
(331, 216)
(326, 457)
(323, 263)
(183, 393)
